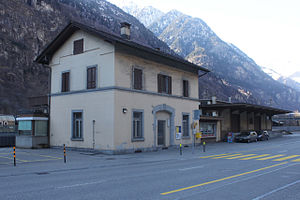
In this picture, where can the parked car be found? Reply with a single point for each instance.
(246, 136)
(262, 135)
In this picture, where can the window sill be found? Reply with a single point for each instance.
(77, 139)
(137, 139)
(186, 137)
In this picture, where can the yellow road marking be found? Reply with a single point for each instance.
(263, 155)
(41, 155)
(222, 179)
(297, 160)
(286, 158)
(11, 158)
(237, 154)
(42, 160)
(242, 156)
(214, 155)
(270, 157)
(50, 156)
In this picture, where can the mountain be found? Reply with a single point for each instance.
(234, 73)
(292, 81)
(146, 15)
(275, 75)
(295, 76)
(28, 25)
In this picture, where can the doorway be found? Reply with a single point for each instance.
(161, 132)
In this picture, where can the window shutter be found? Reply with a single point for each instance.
(91, 77)
(67, 81)
(170, 85)
(138, 79)
(185, 88)
(159, 83)
(78, 46)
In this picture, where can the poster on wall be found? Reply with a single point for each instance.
(178, 132)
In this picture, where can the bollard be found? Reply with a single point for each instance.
(180, 149)
(14, 156)
(65, 157)
(203, 144)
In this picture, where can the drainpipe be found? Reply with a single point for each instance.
(94, 134)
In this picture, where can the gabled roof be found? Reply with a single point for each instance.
(124, 45)
(245, 107)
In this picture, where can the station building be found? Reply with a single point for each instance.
(219, 118)
(112, 94)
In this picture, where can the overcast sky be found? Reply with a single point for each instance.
(268, 31)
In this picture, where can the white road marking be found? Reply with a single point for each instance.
(276, 190)
(189, 168)
(80, 184)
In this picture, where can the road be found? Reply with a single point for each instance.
(262, 170)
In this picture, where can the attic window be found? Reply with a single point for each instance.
(78, 47)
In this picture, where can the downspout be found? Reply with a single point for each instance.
(49, 100)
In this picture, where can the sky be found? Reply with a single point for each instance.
(268, 31)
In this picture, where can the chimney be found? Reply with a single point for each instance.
(213, 99)
(125, 30)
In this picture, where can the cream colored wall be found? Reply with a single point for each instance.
(124, 64)
(98, 106)
(96, 52)
(146, 102)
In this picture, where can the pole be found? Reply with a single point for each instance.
(180, 149)
(203, 144)
(65, 156)
(14, 156)
(94, 134)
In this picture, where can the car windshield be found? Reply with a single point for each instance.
(244, 134)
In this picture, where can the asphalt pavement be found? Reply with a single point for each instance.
(258, 170)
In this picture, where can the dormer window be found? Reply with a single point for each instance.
(78, 46)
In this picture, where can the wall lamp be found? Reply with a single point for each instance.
(124, 110)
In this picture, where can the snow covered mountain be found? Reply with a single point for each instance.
(146, 15)
(292, 81)
(295, 76)
(233, 74)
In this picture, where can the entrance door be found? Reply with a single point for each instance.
(161, 132)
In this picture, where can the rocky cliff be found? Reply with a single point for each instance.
(28, 25)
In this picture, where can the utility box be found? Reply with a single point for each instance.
(32, 132)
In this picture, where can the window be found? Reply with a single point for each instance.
(164, 84)
(137, 79)
(137, 125)
(185, 125)
(208, 129)
(65, 82)
(91, 77)
(78, 46)
(185, 88)
(77, 125)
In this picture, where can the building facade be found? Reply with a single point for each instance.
(111, 94)
(220, 118)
